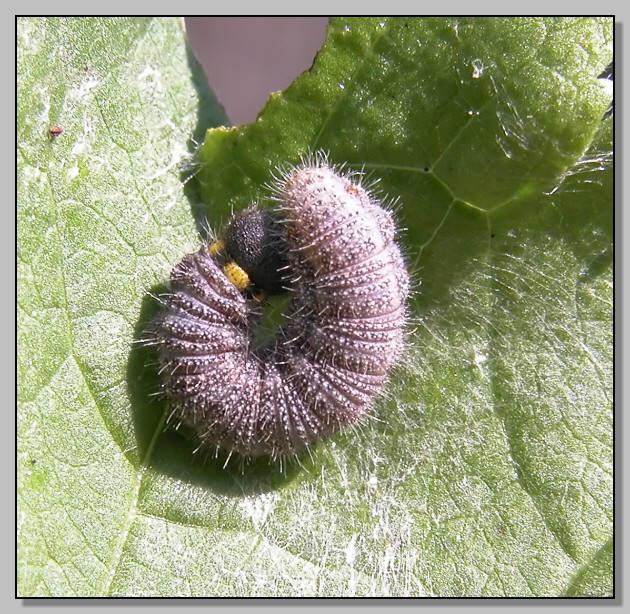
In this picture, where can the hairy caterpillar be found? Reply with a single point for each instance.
(331, 245)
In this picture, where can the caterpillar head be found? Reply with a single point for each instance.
(255, 241)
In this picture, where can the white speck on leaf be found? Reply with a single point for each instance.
(259, 508)
(84, 88)
(73, 172)
(351, 550)
(478, 69)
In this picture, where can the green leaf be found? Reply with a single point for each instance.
(101, 217)
(489, 471)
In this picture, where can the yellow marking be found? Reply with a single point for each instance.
(236, 275)
(216, 247)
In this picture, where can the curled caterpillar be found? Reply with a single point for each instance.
(331, 245)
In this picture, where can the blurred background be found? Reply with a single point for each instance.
(247, 58)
